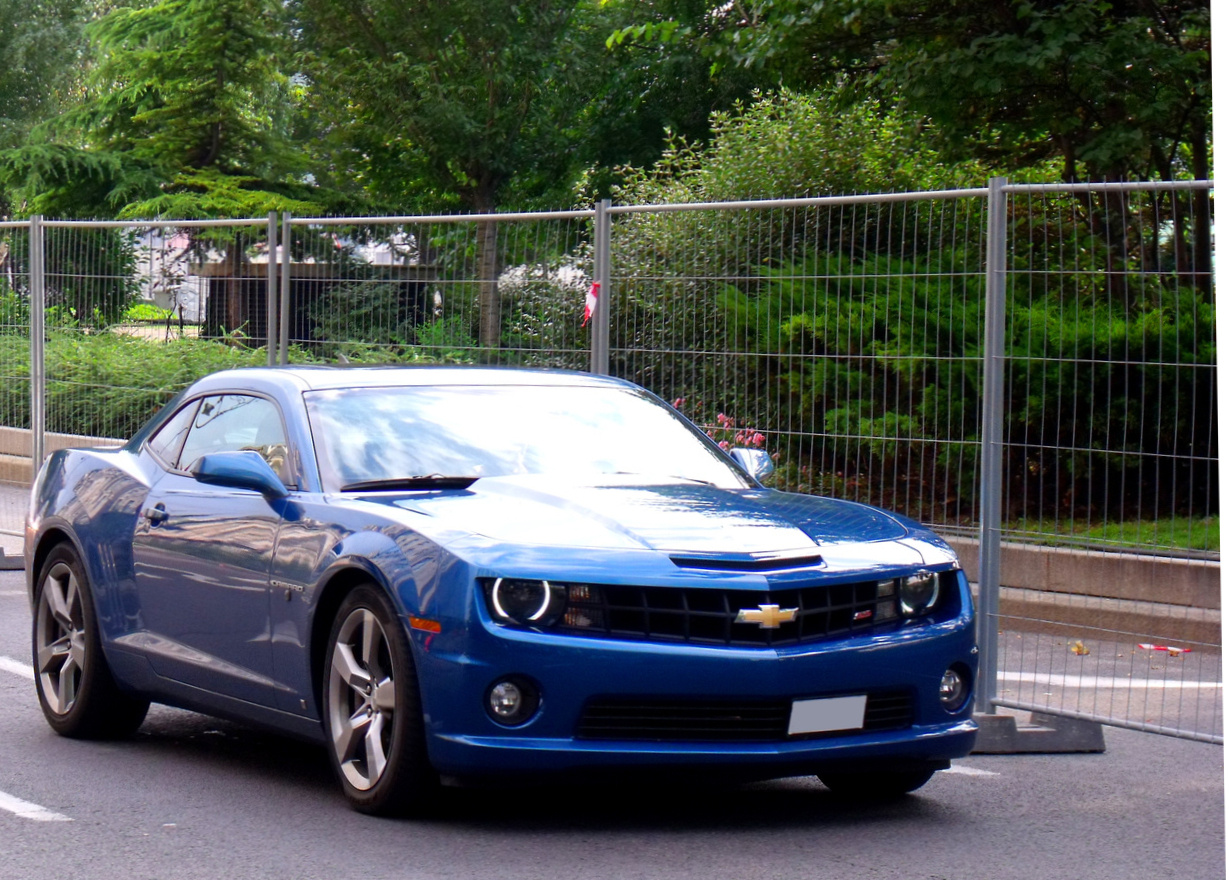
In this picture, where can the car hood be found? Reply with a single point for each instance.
(676, 518)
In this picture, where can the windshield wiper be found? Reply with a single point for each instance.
(420, 481)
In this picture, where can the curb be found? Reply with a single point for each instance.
(11, 563)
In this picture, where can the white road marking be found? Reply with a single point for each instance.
(25, 670)
(1100, 681)
(961, 770)
(27, 810)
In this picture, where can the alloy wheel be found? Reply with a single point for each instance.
(60, 639)
(362, 699)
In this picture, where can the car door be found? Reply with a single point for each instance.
(202, 553)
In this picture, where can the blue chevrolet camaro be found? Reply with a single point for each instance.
(474, 572)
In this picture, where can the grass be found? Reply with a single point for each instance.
(1175, 533)
(143, 311)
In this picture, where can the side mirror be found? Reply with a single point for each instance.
(239, 470)
(756, 462)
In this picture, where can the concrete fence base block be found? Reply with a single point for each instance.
(1003, 735)
(11, 563)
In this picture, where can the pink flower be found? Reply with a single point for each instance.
(757, 439)
(725, 444)
(678, 402)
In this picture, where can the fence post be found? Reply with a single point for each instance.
(283, 347)
(271, 312)
(38, 360)
(599, 340)
(992, 446)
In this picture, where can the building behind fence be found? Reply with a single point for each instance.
(1028, 369)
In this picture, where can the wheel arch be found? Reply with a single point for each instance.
(333, 592)
(48, 541)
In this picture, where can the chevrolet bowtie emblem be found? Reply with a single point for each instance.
(767, 616)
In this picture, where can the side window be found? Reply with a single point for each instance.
(234, 422)
(166, 442)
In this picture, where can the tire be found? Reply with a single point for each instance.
(76, 690)
(373, 717)
(876, 786)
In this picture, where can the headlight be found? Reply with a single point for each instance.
(525, 602)
(918, 593)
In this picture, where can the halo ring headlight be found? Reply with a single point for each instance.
(525, 601)
(518, 613)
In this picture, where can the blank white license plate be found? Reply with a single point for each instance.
(828, 714)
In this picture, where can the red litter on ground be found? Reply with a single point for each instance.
(1148, 646)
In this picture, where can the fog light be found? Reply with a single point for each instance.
(953, 689)
(512, 701)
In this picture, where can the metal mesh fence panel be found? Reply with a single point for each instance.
(842, 335)
(501, 289)
(15, 435)
(1110, 607)
(15, 329)
(846, 336)
(135, 312)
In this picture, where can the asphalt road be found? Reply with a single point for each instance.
(193, 797)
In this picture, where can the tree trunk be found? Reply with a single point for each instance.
(233, 284)
(489, 324)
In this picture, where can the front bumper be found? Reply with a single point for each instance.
(570, 671)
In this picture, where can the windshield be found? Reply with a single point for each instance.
(366, 434)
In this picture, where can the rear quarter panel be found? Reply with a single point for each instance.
(91, 497)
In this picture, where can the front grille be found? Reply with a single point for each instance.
(681, 720)
(709, 616)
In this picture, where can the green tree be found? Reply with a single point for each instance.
(655, 87)
(40, 41)
(1109, 89)
(1116, 89)
(474, 103)
(185, 113)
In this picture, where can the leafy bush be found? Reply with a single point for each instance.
(544, 305)
(379, 321)
(866, 374)
(869, 375)
(106, 385)
(673, 268)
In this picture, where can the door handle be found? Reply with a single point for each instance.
(156, 514)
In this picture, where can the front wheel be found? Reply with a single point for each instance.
(372, 711)
(883, 785)
(77, 693)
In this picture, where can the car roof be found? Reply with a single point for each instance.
(315, 378)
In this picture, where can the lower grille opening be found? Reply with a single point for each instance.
(688, 720)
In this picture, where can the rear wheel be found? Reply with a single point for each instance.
(78, 695)
(372, 711)
(876, 785)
